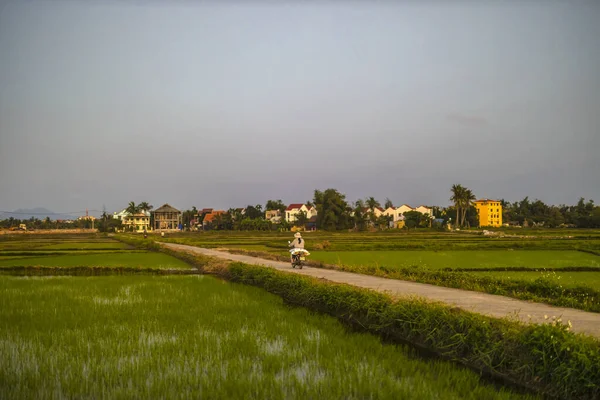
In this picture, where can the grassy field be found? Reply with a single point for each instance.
(129, 260)
(431, 257)
(198, 337)
(564, 278)
(85, 246)
(461, 259)
(363, 252)
(396, 240)
(86, 251)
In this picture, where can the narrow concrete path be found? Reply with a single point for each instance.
(482, 303)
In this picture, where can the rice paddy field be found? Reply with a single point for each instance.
(197, 337)
(83, 251)
(574, 255)
(154, 336)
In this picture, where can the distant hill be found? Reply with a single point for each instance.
(38, 212)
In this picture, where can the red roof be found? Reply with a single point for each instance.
(210, 217)
(293, 206)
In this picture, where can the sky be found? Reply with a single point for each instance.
(229, 103)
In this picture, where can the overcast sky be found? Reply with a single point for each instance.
(223, 104)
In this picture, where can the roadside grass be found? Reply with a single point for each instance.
(564, 278)
(105, 259)
(164, 337)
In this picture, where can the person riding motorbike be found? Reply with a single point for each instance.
(298, 243)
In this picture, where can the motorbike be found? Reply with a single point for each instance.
(298, 257)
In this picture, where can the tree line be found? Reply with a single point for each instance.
(335, 213)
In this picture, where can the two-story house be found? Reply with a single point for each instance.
(292, 211)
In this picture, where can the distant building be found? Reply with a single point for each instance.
(167, 217)
(489, 212)
(210, 218)
(140, 222)
(87, 217)
(273, 216)
(123, 213)
(293, 209)
(398, 212)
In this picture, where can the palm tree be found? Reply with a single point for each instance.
(132, 208)
(468, 199)
(372, 203)
(458, 193)
(144, 206)
(388, 203)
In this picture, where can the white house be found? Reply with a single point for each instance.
(395, 213)
(293, 209)
(425, 210)
(123, 214)
(404, 208)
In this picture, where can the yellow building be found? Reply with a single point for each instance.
(139, 222)
(490, 212)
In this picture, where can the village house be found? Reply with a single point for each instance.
(292, 211)
(273, 215)
(139, 222)
(123, 213)
(210, 218)
(425, 210)
(167, 217)
(397, 213)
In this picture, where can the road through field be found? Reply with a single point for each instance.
(482, 303)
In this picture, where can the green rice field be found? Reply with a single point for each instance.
(85, 246)
(198, 337)
(128, 260)
(564, 278)
(73, 252)
(461, 259)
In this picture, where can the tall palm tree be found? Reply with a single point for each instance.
(458, 194)
(132, 208)
(144, 206)
(372, 203)
(467, 200)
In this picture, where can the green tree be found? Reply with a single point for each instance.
(132, 208)
(332, 210)
(384, 221)
(412, 219)
(372, 203)
(458, 194)
(273, 205)
(301, 219)
(359, 216)
(463, 200)
(388, 203)
(254, 212)
(145, 206)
